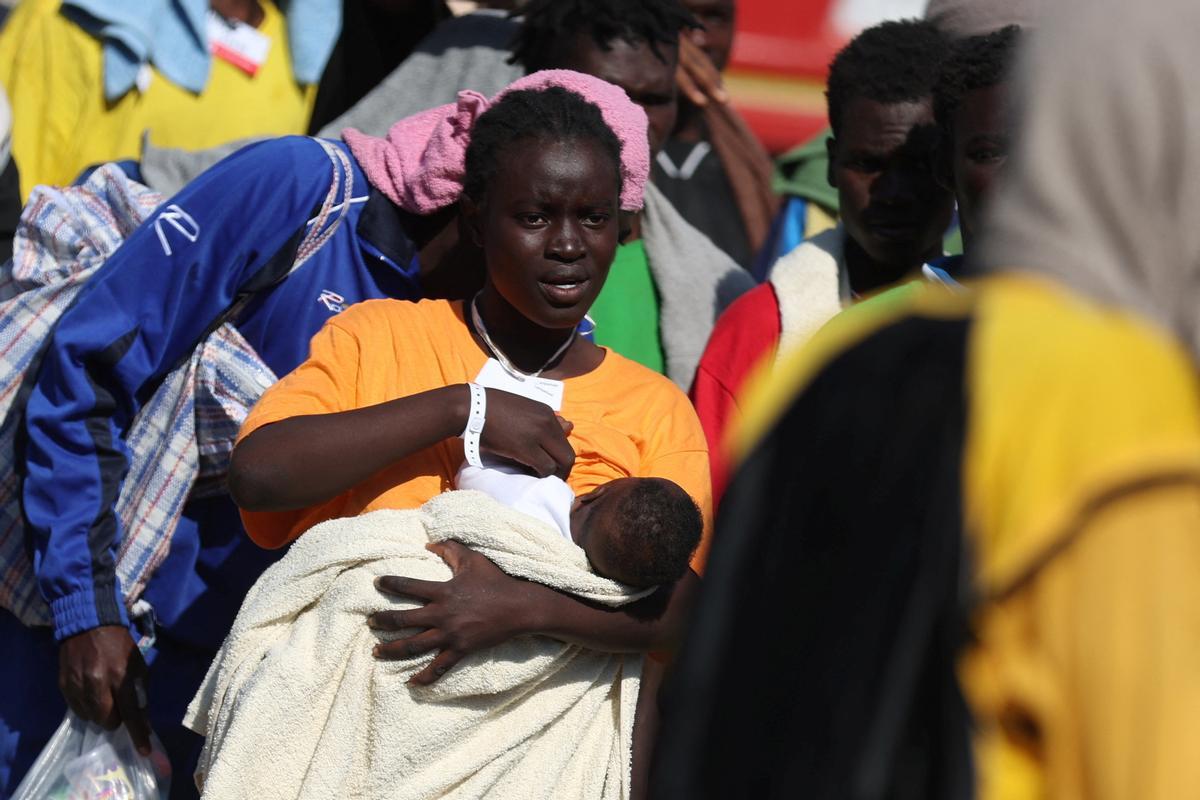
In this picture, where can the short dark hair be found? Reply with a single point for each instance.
(548, 26)
(977, 62)
(552, 114)
(659, 529)
(893, 62)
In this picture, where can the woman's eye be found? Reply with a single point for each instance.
(596, 220)
(532, 220)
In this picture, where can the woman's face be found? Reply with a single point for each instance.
(548, 227)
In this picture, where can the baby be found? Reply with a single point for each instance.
(638, 531)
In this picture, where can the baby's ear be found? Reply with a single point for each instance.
(594, 494)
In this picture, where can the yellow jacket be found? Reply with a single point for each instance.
(53, 71)
(1081, 496)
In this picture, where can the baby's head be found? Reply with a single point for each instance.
(638, 531)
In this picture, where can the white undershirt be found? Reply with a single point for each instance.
(546, 499)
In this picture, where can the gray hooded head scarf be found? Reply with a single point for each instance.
(1103, 192)
(959, 19)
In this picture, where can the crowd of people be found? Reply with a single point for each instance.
(410, 402)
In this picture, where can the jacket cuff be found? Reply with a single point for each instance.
(86, 609)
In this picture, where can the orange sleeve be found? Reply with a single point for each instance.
(678, 453)
(325, 383)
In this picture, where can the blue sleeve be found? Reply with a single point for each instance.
(139, 315)
(786, 234)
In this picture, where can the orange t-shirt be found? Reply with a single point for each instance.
(629, 421)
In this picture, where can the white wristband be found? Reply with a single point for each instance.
(474, 430)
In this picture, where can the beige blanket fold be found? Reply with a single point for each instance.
(295, 705)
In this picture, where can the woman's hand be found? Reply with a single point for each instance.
(479, 607)
(527, 432)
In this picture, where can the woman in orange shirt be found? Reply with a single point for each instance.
(372, 419)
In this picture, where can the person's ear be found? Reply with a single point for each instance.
(594, 494)
(830, 154)
(470, 217)
(625, 220)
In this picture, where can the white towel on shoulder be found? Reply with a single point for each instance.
(295, 705)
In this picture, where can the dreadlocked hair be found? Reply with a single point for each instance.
(552, 114)
(978, 62)
(548, 27)
(660, 528)
(893, 62)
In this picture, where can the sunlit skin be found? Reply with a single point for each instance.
(588, 523)
(646, 76)
(716, 37)
(595, 525)
(893, 208)
(548, 229)
(982, 128)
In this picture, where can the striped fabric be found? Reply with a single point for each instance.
(180, 441)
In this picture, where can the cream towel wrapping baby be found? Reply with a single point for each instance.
(296, 706)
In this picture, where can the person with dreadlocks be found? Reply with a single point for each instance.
(712, 161)
(668, 283)
(893, 211)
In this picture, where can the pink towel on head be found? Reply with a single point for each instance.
(420, 164)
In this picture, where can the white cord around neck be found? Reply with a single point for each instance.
(499, 355)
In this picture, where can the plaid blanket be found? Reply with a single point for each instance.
(180, 441)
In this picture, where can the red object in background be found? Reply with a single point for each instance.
(781, 52)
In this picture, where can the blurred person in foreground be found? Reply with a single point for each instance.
(712, 164)
(894, 212)
(1000, 498)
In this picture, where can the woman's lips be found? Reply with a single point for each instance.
(565, 293)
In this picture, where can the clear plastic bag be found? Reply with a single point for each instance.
(83, 761)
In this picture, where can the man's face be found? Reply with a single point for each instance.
(648, 80)
(881, 163)
(716, 38)
(982, 131)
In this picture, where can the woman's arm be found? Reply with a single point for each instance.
(304, 461)
(481, 607)
(307, 460)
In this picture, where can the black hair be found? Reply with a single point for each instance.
(550, 26)
(893, 62)
(978, 62)
(658, 529)
(552, 114)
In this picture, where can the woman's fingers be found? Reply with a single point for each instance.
(410, 647)
(440, 665)
(410, 587)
